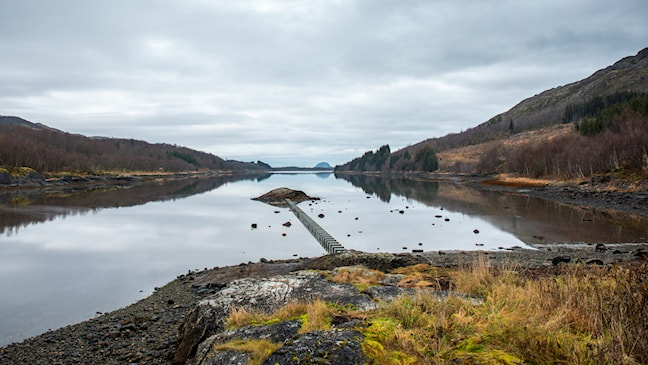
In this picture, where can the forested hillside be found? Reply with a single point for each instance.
(422, 159)
(601, 122)
(44, 149)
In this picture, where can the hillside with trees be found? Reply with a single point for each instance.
(592, 126)
(383, 160)
(48, 150)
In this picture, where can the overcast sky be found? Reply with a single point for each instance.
(297, 82)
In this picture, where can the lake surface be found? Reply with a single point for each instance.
(66, 254)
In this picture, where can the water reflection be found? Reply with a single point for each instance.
(20, 208)
(530, 219)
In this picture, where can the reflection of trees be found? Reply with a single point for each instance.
(532, 220)
(24, 207)
(384, 186)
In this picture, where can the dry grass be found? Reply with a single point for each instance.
(584, 315)
(424, 276)
(359, 276)
(516, 182)
(315, 315)
(258, 349)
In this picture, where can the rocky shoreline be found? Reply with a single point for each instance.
(148, 332)
(611, 195)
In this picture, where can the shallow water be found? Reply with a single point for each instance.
(64, 257)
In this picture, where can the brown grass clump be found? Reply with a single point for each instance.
(359, 276)
(315, 315)
(516, 182)
(258, 349)
(424, 276)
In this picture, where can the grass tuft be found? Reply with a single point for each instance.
(258, 349)
(361, 277)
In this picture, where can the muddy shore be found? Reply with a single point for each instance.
(146, 332)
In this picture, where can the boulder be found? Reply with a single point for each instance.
(561, 259)
(600, 247)
(266, 295)
(321, 347)
(278, 332)
(5, 178)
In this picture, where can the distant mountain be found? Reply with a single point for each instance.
(323, 165)
(45, 149)
(554, 108)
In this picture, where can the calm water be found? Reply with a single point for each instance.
(66, 255)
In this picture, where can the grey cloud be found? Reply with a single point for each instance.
(262, 78)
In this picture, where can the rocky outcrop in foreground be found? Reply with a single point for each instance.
(204, 326)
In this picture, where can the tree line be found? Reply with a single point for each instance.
(49, 150)
(383, 160)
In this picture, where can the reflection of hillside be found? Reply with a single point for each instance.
(535, 220)
(383, 187)
(532, 220)
(24, 207)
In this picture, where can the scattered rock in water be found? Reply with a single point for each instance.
(321, 215)
(287, 224)
(475, 231)
(277, 197)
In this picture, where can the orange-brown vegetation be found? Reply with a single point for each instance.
(48, 150)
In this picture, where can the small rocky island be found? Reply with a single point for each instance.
(277, 197)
